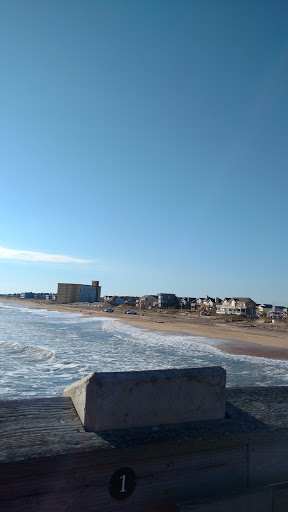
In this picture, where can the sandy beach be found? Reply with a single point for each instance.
(250, 337)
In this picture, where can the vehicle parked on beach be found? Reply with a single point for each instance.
(130, 312)
(109, 310)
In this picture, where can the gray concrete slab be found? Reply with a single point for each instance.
(114, 400)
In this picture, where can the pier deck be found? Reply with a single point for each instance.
(49, 462)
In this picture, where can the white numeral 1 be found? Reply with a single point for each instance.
(123, 478)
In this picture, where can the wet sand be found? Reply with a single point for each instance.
(232, 341)
(253, 349)
(254, 339)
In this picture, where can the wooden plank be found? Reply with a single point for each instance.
(280, 497)
(41, 427)
(87, 502)
(268, 461)
(159, 480)
(49, 462)
(259, 500)
(50, 426)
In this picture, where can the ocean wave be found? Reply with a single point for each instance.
(185, 343)
(3, 305)
(122, 338)
(31, 352)
(40, 312)
(75, 345)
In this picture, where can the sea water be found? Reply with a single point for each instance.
(42, 352)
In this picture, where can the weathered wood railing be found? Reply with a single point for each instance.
(49, 462)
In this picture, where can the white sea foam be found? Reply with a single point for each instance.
(31, 352)
(41, 352)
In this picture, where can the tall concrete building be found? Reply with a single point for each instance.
(68, 292)
(98, 290)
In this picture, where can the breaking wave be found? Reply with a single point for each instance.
(41, 352)
(31, 352)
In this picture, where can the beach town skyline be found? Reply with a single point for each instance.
(85, 294)
(190, 301)
(51, 295)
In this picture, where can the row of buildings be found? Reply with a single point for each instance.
(67, 293)
(32, 295)
(240, 306)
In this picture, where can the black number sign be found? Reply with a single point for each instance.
(122, 483)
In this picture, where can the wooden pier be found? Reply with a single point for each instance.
(48, 462)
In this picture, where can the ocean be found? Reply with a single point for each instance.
(42, 352)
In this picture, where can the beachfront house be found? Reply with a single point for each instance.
(167, 300)
(107, 298)
(27, 295)
(50, 296)
(186, 302)
(207, 303)
(40, 296)
(45, 296)
(147, 302)
(211, 303)
(276, 312)
(131, 300)
(116, 301)
(241, 306)
(263, 309)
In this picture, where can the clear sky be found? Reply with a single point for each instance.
(144, 144)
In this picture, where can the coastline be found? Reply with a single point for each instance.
(270, 342)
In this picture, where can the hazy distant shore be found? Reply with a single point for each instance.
(250, 338)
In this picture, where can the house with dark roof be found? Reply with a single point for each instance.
(276, 312)
(241, 306)
(147, 302)
(167, 300)
(186, 302)
(207, 303)
(263, 309)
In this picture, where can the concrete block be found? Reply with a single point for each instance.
(116, 400)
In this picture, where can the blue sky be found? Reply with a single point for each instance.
(144, 144)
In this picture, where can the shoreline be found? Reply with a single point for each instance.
(232, 339)
(219, 339)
